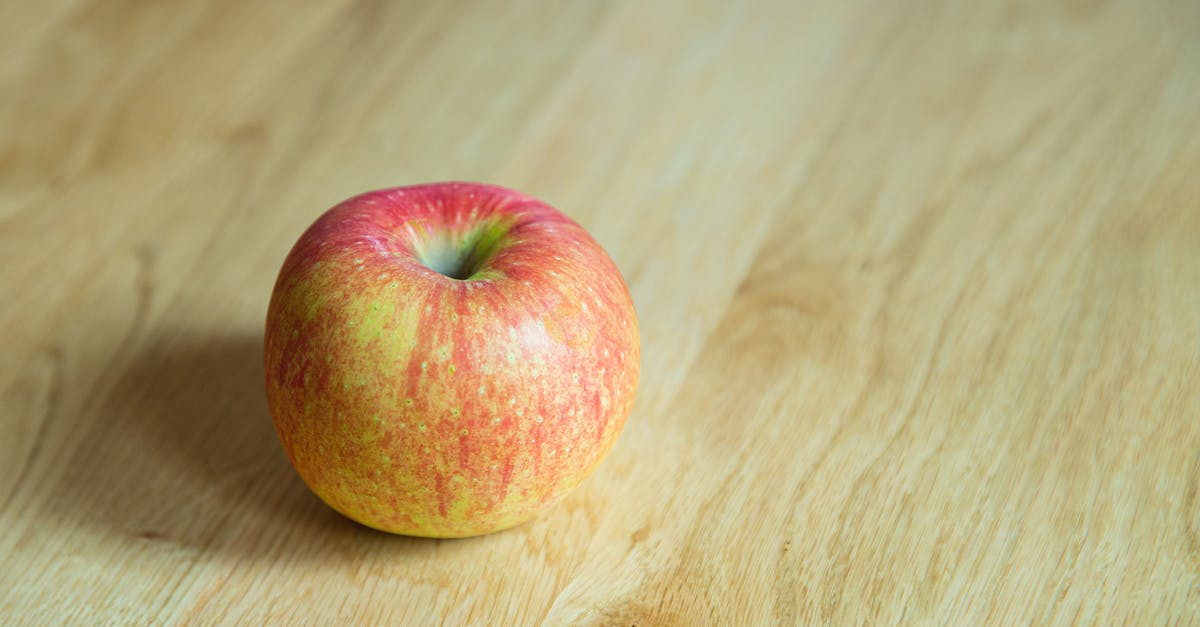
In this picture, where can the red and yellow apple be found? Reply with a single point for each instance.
(448, 360)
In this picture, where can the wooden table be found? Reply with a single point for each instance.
(919, 289)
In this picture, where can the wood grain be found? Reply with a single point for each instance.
(919, 286)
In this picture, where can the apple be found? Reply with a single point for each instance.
(448, 360)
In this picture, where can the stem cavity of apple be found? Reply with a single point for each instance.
(461, 256)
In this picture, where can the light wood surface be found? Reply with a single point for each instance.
(919, 289)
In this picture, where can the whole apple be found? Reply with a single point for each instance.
(448, 360)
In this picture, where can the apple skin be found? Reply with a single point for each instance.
(421, 404)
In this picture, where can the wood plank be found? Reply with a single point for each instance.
(918, 287)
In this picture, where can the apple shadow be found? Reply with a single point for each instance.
(184, 453)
